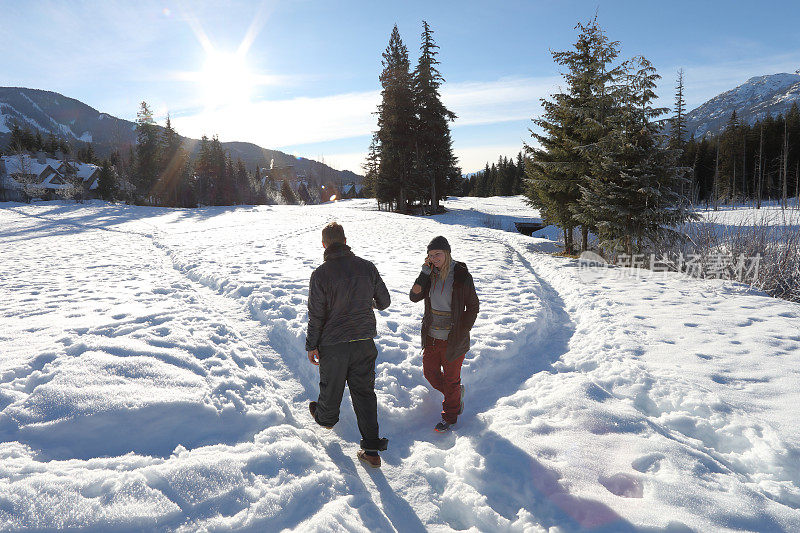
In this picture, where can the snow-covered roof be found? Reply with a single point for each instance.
(352, 187)
(49, 174)
(87, 170)
(24, 164)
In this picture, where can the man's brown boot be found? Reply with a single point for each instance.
(372, 460)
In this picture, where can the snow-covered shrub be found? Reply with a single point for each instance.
(760, 251)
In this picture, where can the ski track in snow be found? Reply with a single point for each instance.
(154, 376)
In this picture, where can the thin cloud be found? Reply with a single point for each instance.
(298, 121)
(274, 123)
(497, 101)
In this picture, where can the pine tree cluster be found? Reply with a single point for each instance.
(25, 140)
(410, 161)
(162, 171)
(504, 178)
(758, 162)
(600, 162)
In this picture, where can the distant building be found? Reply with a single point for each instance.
(42, 173)
(353, 190)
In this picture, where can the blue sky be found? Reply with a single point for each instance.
(302, 76)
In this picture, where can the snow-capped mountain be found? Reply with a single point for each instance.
(51, 112)
(753, 100)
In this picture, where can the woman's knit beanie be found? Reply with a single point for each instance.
(439, 243)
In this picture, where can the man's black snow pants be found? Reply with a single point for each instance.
(353, 363)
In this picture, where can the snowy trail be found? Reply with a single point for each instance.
(291, 343)
(154, 376)
(259, 338)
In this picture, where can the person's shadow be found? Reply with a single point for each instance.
(400, 514)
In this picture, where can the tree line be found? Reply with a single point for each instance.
(160, 170)
(410, 164)
(25, 139)
(742, 162)
(504, 178)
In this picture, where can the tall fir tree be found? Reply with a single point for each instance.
(203, 169)
(519, 181)
(396, 127)
(435, 163)
(173, 159)
(148, 152)
(572, 120)
(106, 184)
(371, 166)
(633, 195)
(730, 166)
(677, 134)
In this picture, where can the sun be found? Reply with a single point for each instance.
(226, 80)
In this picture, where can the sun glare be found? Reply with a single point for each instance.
(226, 80)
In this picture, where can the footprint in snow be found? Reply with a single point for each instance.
(648, 463)
(624, 485)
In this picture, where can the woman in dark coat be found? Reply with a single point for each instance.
(451, 307)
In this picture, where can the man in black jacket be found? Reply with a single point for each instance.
(341, 325)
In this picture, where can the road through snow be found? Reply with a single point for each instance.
(153, 376)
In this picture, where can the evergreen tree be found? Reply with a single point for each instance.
(703, 172)
(288, 194)
(519, 179)
(242, 180)
(203, 170)
(572, 120)
(17, 143)
(730, 166)
(678, 123)
(51, 145)
(106, 184)
(90, 156)
(436, 165)
(479, 182)
(396, 127)
(229, 197)
(633, 195)
(64, 146)
(147, 152)
(371, 166)
(171, 168)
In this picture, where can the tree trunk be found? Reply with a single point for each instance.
(797, 183)
(401, 204)
(785, 163)
(760, 171)
(716, 177)
(434, 197)
(584, 238)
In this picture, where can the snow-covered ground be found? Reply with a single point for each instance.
(152, 376)
(729, 219)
